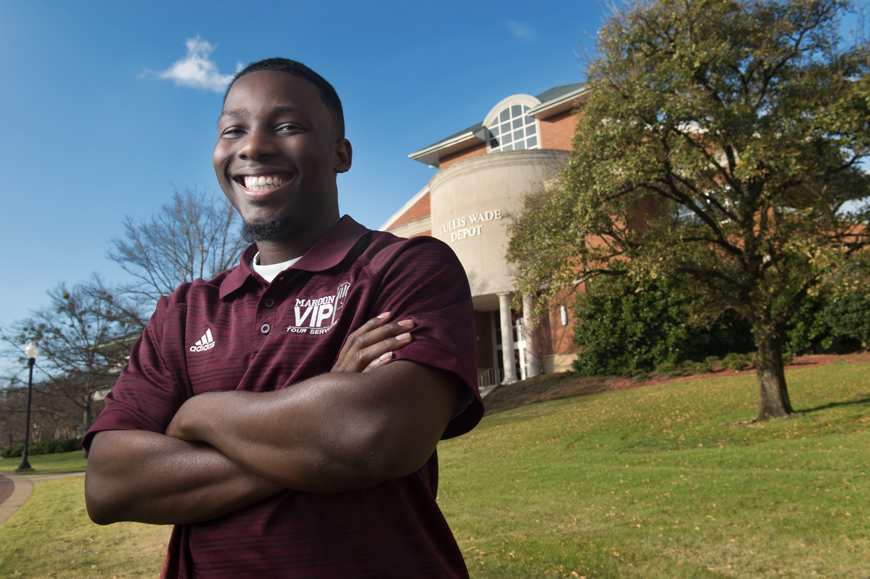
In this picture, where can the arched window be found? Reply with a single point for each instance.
(512, 129)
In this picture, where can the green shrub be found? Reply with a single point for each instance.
(66, 445)
(714, 363)
(735, 361)
(692, 367)
(849, 317)
(838, 317)
(13, 450)
(668, 369)
(43, 447)
(808, 330)
(625, 328)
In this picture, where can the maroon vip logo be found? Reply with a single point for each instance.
(318, 315)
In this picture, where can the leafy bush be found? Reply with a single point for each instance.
(809, 329)
(849, 317)
(692, 367)
(734, 361)
(714, 363)
(838, 318)
(43, 447)
(624, 327)
(13, 450)
(668, 369)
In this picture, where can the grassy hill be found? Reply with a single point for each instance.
(668, 481)
(663, 481)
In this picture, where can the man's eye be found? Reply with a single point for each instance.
(231, 132)
(289, 128)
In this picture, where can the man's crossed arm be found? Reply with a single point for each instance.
(366, 421)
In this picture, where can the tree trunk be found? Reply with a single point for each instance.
(769, 370)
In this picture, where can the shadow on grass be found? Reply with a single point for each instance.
(857, 401)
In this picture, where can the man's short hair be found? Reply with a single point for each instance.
(327, 92)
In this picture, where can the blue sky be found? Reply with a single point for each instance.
(100, 125)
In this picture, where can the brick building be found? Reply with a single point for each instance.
(484, 173)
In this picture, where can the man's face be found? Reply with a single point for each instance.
(276, 156)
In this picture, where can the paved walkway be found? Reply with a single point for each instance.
(15, 489)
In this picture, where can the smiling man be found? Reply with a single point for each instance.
(273, 414)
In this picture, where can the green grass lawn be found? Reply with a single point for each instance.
(47, 463)
(664, 482)
(658, 482)
(52, 536)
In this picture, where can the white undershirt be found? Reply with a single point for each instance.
(270, 272)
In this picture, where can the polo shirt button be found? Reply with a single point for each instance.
(269, 302)
(265, 328)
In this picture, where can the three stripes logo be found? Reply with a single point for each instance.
(206, 342)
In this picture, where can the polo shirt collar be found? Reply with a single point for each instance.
(328, 252)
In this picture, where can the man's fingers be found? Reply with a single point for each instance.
(377, 354)
(352, 341)
(367, 347)
(366, 328)
(391, 345)
(380, 334)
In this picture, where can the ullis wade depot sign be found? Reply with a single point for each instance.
(469, 226)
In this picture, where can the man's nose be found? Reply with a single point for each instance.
(256, 144)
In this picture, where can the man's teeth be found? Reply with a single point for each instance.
(262, 183)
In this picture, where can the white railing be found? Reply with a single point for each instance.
(491, 377)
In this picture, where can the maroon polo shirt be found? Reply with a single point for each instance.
(236, 332)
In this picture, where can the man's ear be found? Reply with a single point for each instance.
(343, 156)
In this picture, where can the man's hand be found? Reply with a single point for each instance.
(372, 345)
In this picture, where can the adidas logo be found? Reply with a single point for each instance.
(206, 342)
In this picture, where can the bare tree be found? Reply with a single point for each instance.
(86, 332)
(12, 404)
(193, 236)
(84, 336)
(53, 415)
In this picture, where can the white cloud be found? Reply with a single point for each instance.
(196, 70)
(522, 31)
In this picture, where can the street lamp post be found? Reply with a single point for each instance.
(31, 351)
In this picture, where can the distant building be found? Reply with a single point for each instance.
(485, 171)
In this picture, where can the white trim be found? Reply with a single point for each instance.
(561, 104)
(413, 228)
(432, 155)
(517, 99)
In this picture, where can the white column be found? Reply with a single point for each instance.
(507, 338)
(532, 369)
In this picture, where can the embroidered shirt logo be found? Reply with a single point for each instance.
(206, 342)
(318, 315)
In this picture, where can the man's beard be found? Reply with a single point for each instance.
(269, 231)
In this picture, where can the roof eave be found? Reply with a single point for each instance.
(432, 155)
(559, 105)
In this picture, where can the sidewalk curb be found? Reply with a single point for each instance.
(23, 489)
